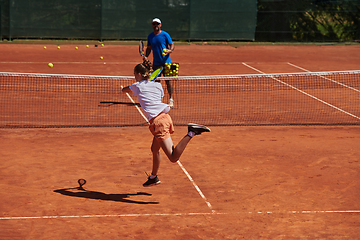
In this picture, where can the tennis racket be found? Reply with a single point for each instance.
(81, 183)
(141, 48)
(155, 74)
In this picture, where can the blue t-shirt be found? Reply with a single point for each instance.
(158, 43)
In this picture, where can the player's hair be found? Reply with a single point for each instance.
(144, 68)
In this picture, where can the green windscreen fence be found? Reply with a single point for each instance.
(129, 19)
(308, 20)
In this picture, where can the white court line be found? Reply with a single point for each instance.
(182, 63)
(176, 214)
(325, 77)
(196, 187)
(307, 94)
(100, 62)
(179, 163)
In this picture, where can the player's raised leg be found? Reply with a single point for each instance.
(173, 153)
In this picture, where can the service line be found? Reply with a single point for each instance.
(305, 93)
(344, 85)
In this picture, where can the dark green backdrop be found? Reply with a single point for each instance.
(262, 20)
(128, 19)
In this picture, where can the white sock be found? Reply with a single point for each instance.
(191, 134)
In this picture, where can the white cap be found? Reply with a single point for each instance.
(156, 20)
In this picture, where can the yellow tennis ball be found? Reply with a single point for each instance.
(87, 46)
(44, 47)
(76, 48)
(50, 65)
(101, 58)
(102, 44)
(163, 54)
(164, 50)
(58, 47)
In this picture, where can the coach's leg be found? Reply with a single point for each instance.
(169, 88)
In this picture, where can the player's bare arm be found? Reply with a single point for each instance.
(126, 89)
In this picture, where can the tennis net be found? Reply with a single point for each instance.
(43, 100)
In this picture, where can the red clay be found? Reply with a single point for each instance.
(258, 180)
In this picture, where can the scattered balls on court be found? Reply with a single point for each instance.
(50, 65)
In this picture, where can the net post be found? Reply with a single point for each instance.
(101, 19)
(9, 21)
(189, 31)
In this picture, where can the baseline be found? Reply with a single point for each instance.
(178, 214)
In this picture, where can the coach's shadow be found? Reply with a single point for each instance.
(82, 193)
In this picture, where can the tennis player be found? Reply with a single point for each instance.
(150, 95)
(157, 41)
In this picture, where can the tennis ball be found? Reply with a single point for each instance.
(101, 58)
(58, 47)
(50, 65)
(44, 47)
(87, 46)
(163, 54)
(76, 48)
(164, 50)
(102, 44)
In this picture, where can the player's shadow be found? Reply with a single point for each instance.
(82, 193)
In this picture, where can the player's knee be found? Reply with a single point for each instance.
(154, 148)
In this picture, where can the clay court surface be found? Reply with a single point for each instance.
(269, 182)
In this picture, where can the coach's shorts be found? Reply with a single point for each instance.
(161, 127)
